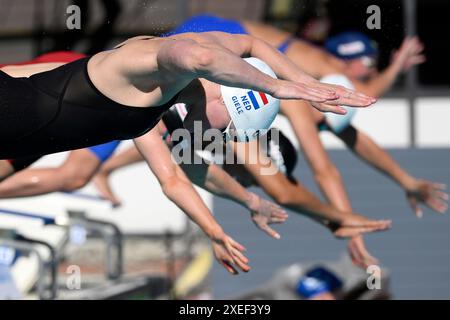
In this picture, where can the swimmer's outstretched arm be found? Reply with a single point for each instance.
(429, 193)
(171, 63)
(215, 57)
(209, 177)
(177, 187)
(245, 45)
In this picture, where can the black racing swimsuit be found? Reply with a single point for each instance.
(62, 110)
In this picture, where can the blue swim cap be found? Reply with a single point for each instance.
(308, 287)
(351, 45)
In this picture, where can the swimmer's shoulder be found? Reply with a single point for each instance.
(136, 55)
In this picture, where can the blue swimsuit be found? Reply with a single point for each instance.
(208, 23)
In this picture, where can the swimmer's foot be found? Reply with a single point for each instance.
(101, 182)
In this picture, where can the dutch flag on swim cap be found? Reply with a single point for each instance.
(259, 100)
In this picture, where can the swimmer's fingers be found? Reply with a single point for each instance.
(235, 250)
(293, 90)
(415, 207)
(277, 220)
(270, 231)
(325, 107)
(228, 265)
(440, 186)
(348, 97)
(442, 195)
(277, 211)
(269, 213)
(431, 194)
(224, 258)
(268, 209)
(349, 232)
(438, 200)
(419, 59)
(437, 205)
(240, 260)
(359, 254)
(358, 221)
(352, 98)
(344, 96)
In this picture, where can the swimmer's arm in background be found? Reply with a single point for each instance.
(26, 71)
(177, 187)
(209, 177)
(216, 56)
(416, 190)
(214, 179)
(326, 174)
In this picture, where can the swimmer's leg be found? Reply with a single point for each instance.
(75, 173)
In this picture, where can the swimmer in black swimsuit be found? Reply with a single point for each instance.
(121, 94)
(79, 166)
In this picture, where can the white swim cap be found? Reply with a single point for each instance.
(339, 122)
(251, 112)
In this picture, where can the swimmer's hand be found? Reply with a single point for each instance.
(359, 254)
(264, 213)
(323, 97)
(409, 54)
(354, 224)
(229, 253)
(429, 193)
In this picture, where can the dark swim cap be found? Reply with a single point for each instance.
(351, 45)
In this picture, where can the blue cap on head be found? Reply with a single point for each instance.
(351, 45)
(309, 287)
